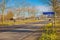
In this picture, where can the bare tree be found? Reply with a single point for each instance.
(25, 5)
(3, 7)
(56, 6)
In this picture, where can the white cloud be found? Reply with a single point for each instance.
(44, 8)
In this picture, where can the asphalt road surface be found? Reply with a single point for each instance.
(19, 35)
(31, 31)
(35, 25)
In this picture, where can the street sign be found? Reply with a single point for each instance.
(49, 14)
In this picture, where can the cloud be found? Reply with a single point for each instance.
(44, 8)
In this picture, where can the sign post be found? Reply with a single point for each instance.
(49, 29)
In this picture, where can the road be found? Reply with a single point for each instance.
(19, 35)
(35, 25)
(31, 31)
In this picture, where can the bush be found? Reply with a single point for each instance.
(48, 34)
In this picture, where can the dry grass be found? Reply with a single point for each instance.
(18, 22)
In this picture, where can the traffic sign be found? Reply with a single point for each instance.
(48, 13)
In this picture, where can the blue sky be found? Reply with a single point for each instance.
(15, 3)
(41, 5)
